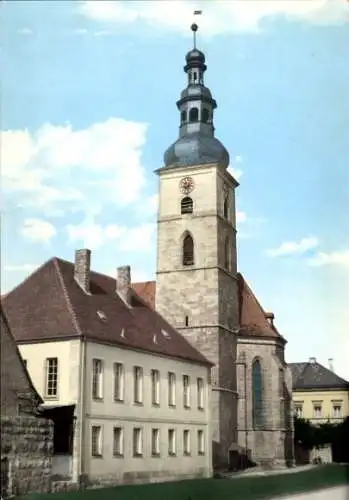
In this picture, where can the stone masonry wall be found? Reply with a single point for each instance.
(26, 453)
(272, 443)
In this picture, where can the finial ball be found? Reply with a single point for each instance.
(194, 27)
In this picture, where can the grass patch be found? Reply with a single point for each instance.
(244, 488)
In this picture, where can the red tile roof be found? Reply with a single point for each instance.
(252, 317)
(50, 305)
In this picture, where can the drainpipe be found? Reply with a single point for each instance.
(82, 409)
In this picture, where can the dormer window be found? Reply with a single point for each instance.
(187, 205)
(194, 115)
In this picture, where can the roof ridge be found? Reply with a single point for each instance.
(68, 302)
(4, 296)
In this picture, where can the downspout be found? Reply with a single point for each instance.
(82, 411)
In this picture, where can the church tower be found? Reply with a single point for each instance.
(196, 284)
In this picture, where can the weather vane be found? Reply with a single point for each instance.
(194, 26)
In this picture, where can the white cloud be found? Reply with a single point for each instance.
(241, 217)
(337, 258)
(219, 17)
(294, 247)
(25, 31)
(21, 268)
(38, 230)
(235, 172)
(57, 166)
(94, 235)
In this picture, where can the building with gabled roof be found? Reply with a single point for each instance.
(129, 395)
(319, 394)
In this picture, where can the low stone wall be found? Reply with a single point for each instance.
(26, 453)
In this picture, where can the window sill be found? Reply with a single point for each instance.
(138, 403)
(97, 456)
(118, 455)
(201, 453)
(173, 406)
(156, 455)
(201, 408)
(97, 400)
(117, 400)
(187, 454)
(52, 398)
(172, 454)
(187, 407)
(138, 455)
(156, 405)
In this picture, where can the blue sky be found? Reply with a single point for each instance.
(88, 108)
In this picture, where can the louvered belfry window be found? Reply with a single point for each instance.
(187, 205)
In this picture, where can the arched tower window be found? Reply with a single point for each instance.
(187, 205)
(226, 206)
(183, 116)
(194, 115)
(188, 251)
(205, 115)
(226, 253)
(257, 401)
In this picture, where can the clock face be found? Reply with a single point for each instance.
(186, 185)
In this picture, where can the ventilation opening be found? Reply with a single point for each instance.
(186, 321)
(194, 115)
(188, 251)
(187, 205)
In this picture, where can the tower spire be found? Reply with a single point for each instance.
(194, 27)
(196, 143)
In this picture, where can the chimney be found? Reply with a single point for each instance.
(123, 284)
(312, 360)
(330, 364)
(270, 317)
(82, 268)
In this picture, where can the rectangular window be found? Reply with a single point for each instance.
(138, 384)
(155, 387)
(171, 389)
(171, 442)
(186, 391)
(51, 377)
(299, 411)
(119, 381)
(96, 441)
(118, 442)
(317, 410)
(201, 442)
(186, 442)
(97, 379)
(200, 390)
(155, 442)
(337, 411)
(137, 442)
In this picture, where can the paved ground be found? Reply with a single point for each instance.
(338, 493)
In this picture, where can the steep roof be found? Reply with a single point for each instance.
(313, 375)
(50, 305)
(15, 379)
(252, 317)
